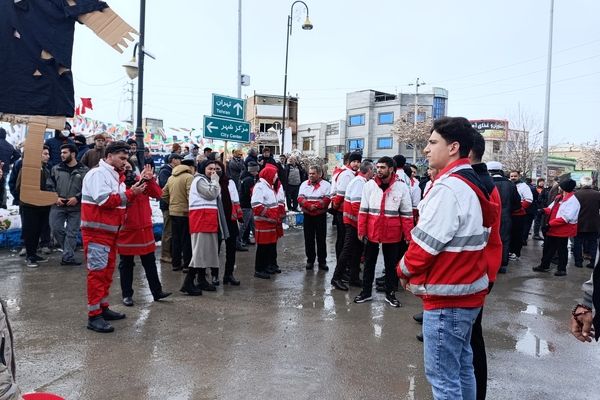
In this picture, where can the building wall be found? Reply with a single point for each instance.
(322, 138)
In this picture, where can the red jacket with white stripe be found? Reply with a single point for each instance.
(526, 198)
(236, 210)
(338, 188)
(352, 200)
(204, 212)
(136, 236)
(314, 198)
(493, 250)
(563, 218)
(445, 263)
(385, 217)
(265, 207)
(103, 202)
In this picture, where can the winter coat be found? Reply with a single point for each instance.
(12, 182)
(352, 200)
(247, 183)
(526, 198)
(92, 157)
(163, 176)
(81, 150)
(67, 183)
(54, 144)
(339, 182)
(589, 219)
(562, 215)
(445, 263)
(314, 195)
(8, 155)
(250, 157)
(510, 201)
(235, 169)
(542, 198)
(136, 236)
(177, 190)
(265, 207)
(104, 199)
(385, 216)
(203, 208)
(8, 386)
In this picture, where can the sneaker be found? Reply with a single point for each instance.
(363, 298)
(46, 250)
(323, 267)
(262, 275)
(23, 252)
(560, 273)
(539, 268)
(70, 262)
(31, 263)
(502, 270)
(538, 237)
(310, 266)
(392, 300)
(40, 259)
(513, 257)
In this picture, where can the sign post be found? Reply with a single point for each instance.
(227, 121)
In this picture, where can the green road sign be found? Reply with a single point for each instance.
(228, 107)
(226, 129)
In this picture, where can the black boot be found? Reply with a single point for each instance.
(110, 315)
(214, 272)
(99, 324)
(230, 279)
(203, 283)
(188, 284)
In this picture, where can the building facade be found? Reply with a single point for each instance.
(322, 139)
(264, 112)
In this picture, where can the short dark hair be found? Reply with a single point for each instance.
(46, 147)
(71, 147)
(346, 158)
(400, 160)
(407, 170)
(118, 146)
(456, 129)
(131, 141)
(365, 166)
(541, 180)
(478, 146)
(515, 170)
(207, 149)
(388, 161)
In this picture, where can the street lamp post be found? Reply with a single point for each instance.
(306, 26)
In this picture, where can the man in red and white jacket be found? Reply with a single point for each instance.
(385, 218)
(349, 259)
(267, 221)
(519, 217)
(446, 264)
(562, 216)
(103, 203)
(313, 198)
(339, 184)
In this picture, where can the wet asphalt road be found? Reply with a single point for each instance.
(289, 338)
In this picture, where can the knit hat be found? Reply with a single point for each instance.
(174, 156)
(494, 166)
(189, 160)
(80, 139)
(568, 185)
(253, 167)
(355, 156)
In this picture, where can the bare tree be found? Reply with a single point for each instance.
(591, 155)
(411, 132)
(524, 143)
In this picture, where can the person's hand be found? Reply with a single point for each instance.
(138, 188)
(361, 237)
(59, 202)
(214, 178)
(581, 326)
(147, 172)
(72, 202)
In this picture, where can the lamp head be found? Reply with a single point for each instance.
(131, 68)
(307, 25)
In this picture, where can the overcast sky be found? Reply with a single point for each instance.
(489, 55)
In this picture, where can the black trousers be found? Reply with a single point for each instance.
(552, 245)
(516, 234)
(527, 223)
(126, 265)
(35, 221)
(479, 355)
(181, 242)
(341, 233)
(350, 255)
(266, 254)
(391, 253)
(230, 249)
(291, 196)
(315, 229)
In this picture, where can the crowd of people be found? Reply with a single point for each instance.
(444, 237)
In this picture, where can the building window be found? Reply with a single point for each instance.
(356, 144)
(421, 115)
(307, 144)
(385, 143)
(332, 129)
(439, 107)
(355, 120)
(496, 146)
(386, 118)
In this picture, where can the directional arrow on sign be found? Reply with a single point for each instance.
(238, 108)
(210, 127)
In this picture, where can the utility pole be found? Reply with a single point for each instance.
(239, 66)
(548, 84)
(416, 112)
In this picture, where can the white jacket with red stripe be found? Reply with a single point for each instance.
(204, 212)
(385, 217)
(314, 198)
(265, 207)
(338, 189)
(103, 201)
(526, 198)
(445, 263)
(352, 200)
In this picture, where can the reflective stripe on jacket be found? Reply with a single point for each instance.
(204, 213)
(314, 195)
(265, 207)
(352, 200)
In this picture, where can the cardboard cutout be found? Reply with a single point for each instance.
(36, 43)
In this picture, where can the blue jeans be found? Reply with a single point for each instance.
(447, 352)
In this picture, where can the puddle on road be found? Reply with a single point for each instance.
(533, 310)
(532, 345)
(377, 330)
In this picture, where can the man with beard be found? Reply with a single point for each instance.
(104, 200)
(66, 180)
